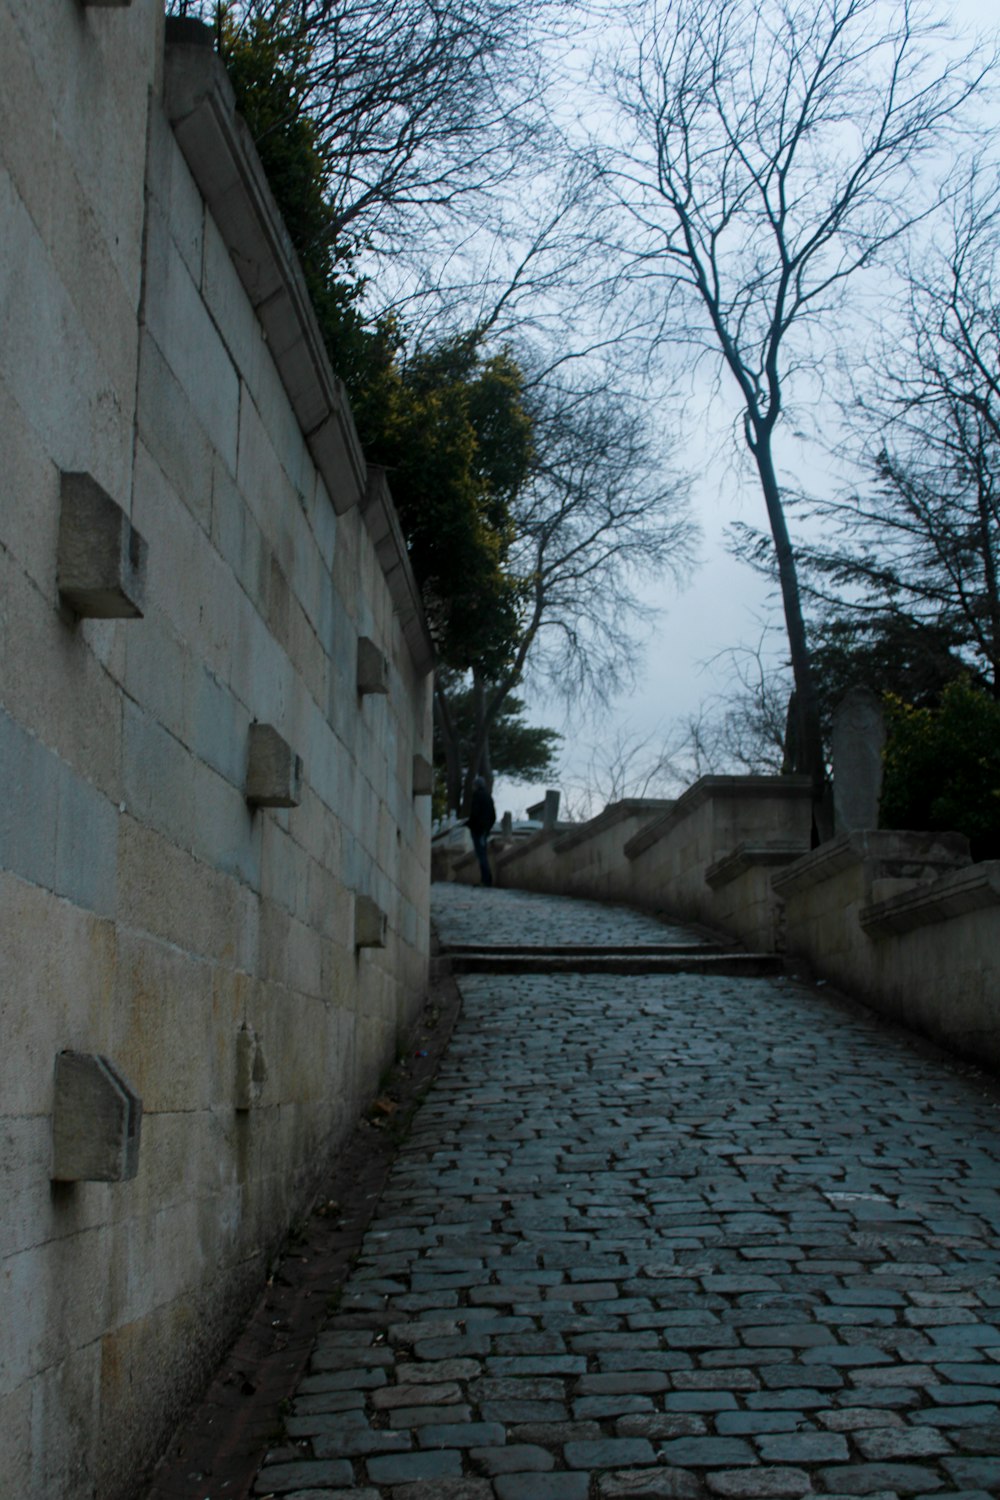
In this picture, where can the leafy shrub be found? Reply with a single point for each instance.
(942, 767)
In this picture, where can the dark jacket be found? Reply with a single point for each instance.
(482, 813)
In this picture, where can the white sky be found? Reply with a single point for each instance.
(724, 602)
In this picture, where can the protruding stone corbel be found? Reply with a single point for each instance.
(370, 923)
(423, 777)
(96, 1121)
(274, 771)
(373, 667)
(102, 558)
(251, 1069)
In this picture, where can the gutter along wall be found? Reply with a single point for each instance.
(214, 718)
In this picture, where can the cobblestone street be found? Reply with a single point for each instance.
(674, 1235)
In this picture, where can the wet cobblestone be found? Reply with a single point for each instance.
(676, 1236)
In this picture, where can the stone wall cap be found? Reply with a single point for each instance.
(615, 812)
(528, 846)
(891, 850)
(707, 788)
(748, 857)
(970, 889)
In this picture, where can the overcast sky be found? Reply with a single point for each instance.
(724, 603)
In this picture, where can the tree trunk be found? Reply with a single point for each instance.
(452, 750)
(809, 741)
(479, 757)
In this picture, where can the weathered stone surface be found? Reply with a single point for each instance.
(102, 558)
(274, 771)
(373, 667)
(96, 1121)
(856, 745)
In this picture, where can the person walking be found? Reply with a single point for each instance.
(482, 816)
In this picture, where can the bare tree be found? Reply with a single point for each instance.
(417, 105)
(919, 549)
(768, 151)
(595, 516)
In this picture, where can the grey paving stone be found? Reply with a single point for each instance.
(649, 1484)
(425, 1416)
(465, 1488)
(282, 1479)
(901, 1442)
(610, 1406)
(438, 1371)
(554, 1434)
(661, 1424)
(707, 1452)
(524, 1411)
(802, 1447)
(608, 1453)
(541, 1364)
(461, 1435)
(981, 1473)
(514, 1458)
(760, 1484)
(341, 1442)
(699, 1401)
(636, 1382)
(405, 1468)
(541, 1486)
(412, 1394)
(749, 1423)
(877, 1479)
(850, 1418)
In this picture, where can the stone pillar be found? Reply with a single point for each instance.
(857, 742)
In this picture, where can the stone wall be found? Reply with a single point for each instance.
(246, 967)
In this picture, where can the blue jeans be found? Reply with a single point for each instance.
(480, 842)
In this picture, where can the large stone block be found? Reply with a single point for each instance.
(190, 343)
(86, 844)
(274, 771)
(28, 808)
(373, 667)
(370, 923)
(82, 420)
(102, 558)
(199, 909)
(174, 457)
(96, 1121)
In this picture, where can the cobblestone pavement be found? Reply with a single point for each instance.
(668, 1236)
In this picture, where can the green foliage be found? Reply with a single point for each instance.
(449, 425)
(268, 62)
(519, 751)
(451, 428)
(911, 659)
(942, 767)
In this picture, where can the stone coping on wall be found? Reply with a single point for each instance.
(894, 853)
(795, 788)
(219, 150)
(523, 847)
(969, 889)
(390, 548)
(747, 857)
(615, 812)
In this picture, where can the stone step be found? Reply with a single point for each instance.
(573, 950)
(625, 961)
